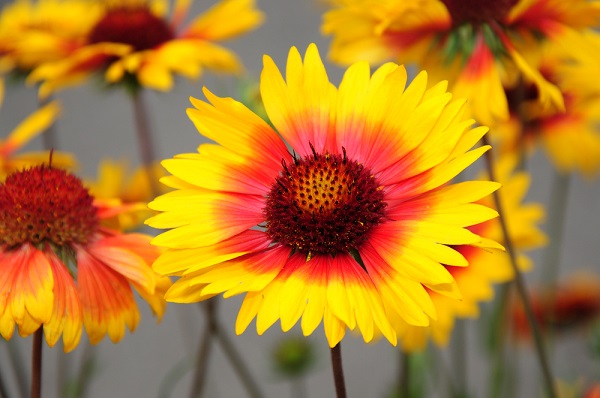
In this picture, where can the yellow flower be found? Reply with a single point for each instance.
(33, 125)
(32, 33)
(486, 266)
(476, 45)
(349, 226)
(133, 41)
(126, 196)
(62, 269)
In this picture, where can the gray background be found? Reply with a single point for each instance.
(96, 125)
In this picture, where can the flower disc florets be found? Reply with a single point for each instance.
(476, 12)
(134, 25)
(324, 204)
(45, 204)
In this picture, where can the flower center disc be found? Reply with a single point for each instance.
(476, 12)
(45, 204)
(133, 25)
(323, 204)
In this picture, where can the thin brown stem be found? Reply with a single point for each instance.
(36, 364)
(213, 329)
(338, 371)
(145, 139)
(204, 349)
(520, 283)
(238, 364)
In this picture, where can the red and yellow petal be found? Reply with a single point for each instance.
(67, 317)
(107, 300)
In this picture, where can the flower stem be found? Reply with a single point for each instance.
(145, 140)
(3, 390)
(204, 349)
(213, 329)
(404, 387)
(557, 210)
(338, 371)
(520, 283)
(36, 364)
(19, 369)
(238, 364)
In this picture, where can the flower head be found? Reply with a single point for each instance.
(61, 269)
(573, 303)
(133, 42)
(477, 45)
(570, 138)
(123, 194)
(34, 32)
(486, 267)
(348, 226)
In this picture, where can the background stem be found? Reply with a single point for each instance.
(520, 283)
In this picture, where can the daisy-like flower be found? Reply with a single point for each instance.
(62, 270)
(133, 41)
(32, 126)
(128, 193)
(570, 138)
(486, 266)
(477, 45)
(348, 226)
(34, 32)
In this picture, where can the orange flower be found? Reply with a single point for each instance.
(60, 268)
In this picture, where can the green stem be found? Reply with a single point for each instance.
(338, 371)
(404, 381)
(497, 335)
(459, 358)
(520, 283)
(36, 364)
(557, 210)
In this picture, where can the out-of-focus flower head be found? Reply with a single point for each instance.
(293, 357)
(33, 32)
(124, 194)
(573, 303)
(33, 125)
(570, 138)
(476, 45)
(486, 266)
(346, 229)
(133, 42)
(62, 269)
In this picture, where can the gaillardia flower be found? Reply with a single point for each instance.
(342, 214)
(486, 266)
(34, 32)
(477, 45)
(133, 41)
(128, 193)
(570, 138)
(61, 269)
